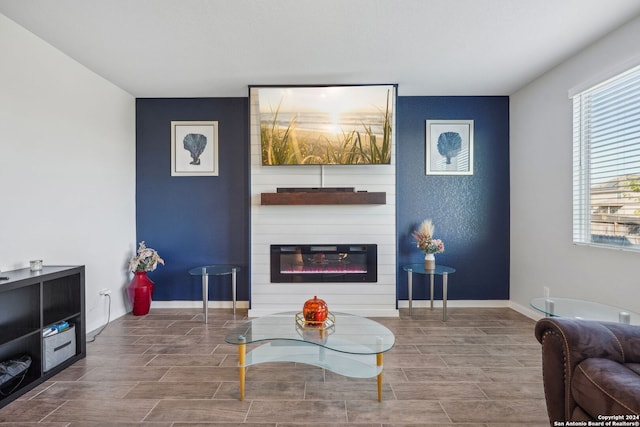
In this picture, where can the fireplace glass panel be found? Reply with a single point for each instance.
(323, 263)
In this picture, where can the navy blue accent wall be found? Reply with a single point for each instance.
(193, 221)
(470, 213)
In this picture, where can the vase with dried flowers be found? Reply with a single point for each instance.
(140, 289)
(427, 244)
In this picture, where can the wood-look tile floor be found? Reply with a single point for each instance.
(481, 368)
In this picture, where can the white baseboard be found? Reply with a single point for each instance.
(526, 311)
(455, 303)
(362, 312)
(198, 304)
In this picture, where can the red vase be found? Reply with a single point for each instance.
(140, 291)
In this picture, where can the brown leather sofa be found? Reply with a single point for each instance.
(590, 369)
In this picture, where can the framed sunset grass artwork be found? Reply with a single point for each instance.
(326, 125)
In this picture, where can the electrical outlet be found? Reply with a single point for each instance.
(105, 291)
(546, 291)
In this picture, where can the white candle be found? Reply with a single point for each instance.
(549, 306)
(624, 317)
(36, 265)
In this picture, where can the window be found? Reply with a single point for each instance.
(607, 209)
(606, 163)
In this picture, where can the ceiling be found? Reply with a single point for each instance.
(216, 48)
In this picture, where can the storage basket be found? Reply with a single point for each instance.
(59, 347)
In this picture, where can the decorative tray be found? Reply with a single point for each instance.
(329, 322)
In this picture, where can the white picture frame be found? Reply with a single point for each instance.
(194, 148)
(449, 147)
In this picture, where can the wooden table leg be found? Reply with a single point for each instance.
(242, 352)
(379, 363)
(379, 342)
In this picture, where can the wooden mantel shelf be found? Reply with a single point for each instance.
(324, 198)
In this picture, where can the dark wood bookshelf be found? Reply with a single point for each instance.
(29, 302)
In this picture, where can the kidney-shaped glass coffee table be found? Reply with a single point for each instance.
(352, 346)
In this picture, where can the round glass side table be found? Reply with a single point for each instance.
(580, 309)
(440, 270)
(215, 270)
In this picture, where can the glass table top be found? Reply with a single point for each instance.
(419, 268)
(213, 270)
(349, 334)
(580, 309)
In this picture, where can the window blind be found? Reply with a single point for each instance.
(606, 163)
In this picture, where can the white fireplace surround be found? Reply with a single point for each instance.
(321, 224)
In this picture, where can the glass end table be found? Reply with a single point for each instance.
(440, 270)
(215, 270)
(580, 309)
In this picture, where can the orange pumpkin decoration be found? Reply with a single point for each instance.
(315, 310)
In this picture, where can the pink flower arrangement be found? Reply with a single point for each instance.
(146, 259)
(424, 238)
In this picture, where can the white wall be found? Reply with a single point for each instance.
(67, 168)
(325, 224)
(542, 253)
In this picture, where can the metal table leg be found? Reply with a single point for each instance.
(233, 289)
(205, 295)
(431, 288)
(410, 289)
(444, 297)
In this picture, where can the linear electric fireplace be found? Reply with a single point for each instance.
(324, 263)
